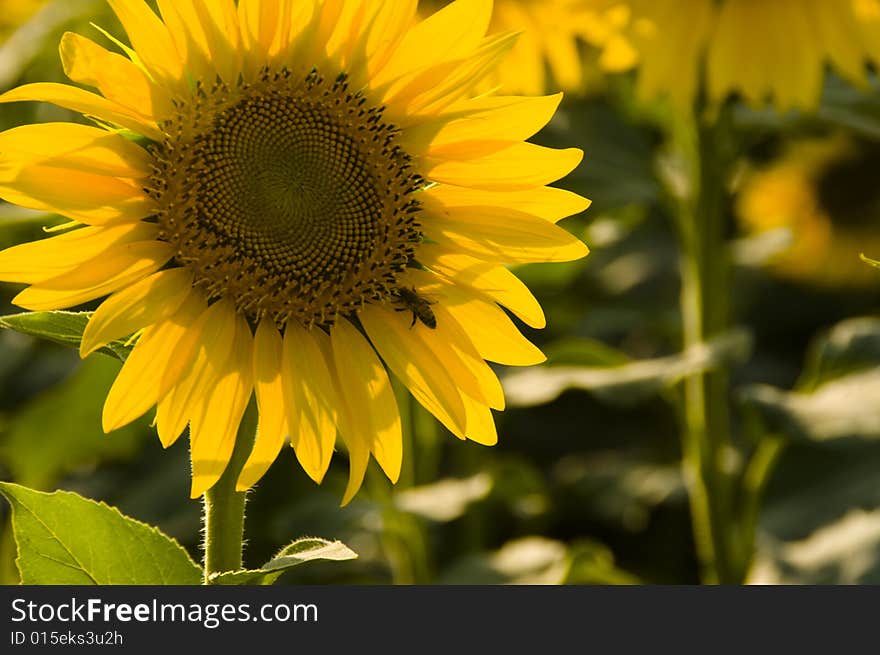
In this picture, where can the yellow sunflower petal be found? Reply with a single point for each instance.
(84, 102)
(134, 390)
(480, 423)
(125, 312)
(387, 30)
(84, 197)
(272, 431)
(415, 364)
(452, 345)
(207, 36)
(144, 378)
(150, 39)
(490, 330)
(265, 29)
(118, 79)
(358, 458)
(312, 410)
(216, 330)
(546, 202)
(368, 395)
(47, 258)
(356, 439)
(219, 410)
(78, 147)
(521, 166)
(451, 33)
(482, 126)
(318, 32)
(491, 280)
(123, 266)
(353, 428)
(502, 235)
(430, 91)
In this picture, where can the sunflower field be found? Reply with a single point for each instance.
(424, 293)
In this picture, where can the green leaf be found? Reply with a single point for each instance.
(842, 552)
(445, 500)
(304, 550)
(851, 107)
(584, 352)
(65, 328)
(12, 216)
(63, 538)
(40, 443)
(842, 408)
(542, 561)
(625, 383)
(851, 346)
(593, 563)
(837, 395)
(525, 561)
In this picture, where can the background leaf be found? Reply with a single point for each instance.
(623, 383)
(40, 443)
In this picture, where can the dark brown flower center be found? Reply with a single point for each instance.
(290, 196)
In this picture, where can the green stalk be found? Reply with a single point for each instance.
(705, 314)
(224, 506)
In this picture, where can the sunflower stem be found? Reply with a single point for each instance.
(224, 506)
(705, 311)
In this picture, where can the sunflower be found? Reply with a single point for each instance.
(549, 34)
(287, 200)
(821, 193)
(769, 51)
(547, 54)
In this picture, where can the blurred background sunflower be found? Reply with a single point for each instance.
(767, 52)
(819, 201)
(563, 45)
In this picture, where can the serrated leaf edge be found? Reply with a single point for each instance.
(13, 502)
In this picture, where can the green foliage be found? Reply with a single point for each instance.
(537, 560)
(63, 538)
(59, 430)
(65, 328)
(837, 395)
(624, 383)
(301, 551)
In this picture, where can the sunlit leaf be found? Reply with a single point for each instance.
(846, 407)
(63, 538)
(837, 395)
(841, 552)
(530, 560)
(65, 328)
(625, 383)
(299, 552)
(445, 500)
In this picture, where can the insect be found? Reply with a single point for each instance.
(420, 308)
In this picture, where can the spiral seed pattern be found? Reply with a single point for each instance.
(290, 196)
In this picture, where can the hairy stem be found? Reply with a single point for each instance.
(224, 506)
